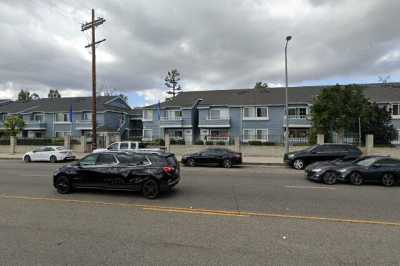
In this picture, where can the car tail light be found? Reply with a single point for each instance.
(168, 170)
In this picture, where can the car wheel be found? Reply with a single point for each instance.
(190, 162)
(53, 159)
(388, 180)
(298, 164)
(356, 178)
(227, 163)
(27, 159)
(150, 189)
(329, 178)
(63, 185)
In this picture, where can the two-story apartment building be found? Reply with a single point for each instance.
(52, 117)
(251, 114)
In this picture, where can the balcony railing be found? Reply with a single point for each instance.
(217, 138)
(171, 122)
(35, 125)
(299, 140)
(170, 118)
(299, 117)
(213, 122)
(83, 124)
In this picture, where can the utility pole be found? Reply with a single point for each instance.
(86, 26)
(288, 38)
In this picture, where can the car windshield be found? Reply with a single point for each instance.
(367, 162)
(60, 148)
(311, 148)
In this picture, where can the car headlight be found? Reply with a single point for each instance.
(343, 170)
(317, 170)
(290, 155)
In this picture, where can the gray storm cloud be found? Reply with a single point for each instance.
(214, 43)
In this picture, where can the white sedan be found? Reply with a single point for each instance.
(48, 153)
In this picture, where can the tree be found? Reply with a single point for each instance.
(341, 109)
(113, 92)
(54, 94)
(260, 85)
(14, 125)
(26, 96)
(172, 82)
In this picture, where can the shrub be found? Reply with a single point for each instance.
(40, 142)
(157, 142)
(209, 142)
(221, 143)
(5, 141)
(177, 142)
(260, 143)
(199, 142)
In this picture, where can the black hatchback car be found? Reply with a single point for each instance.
(325, 152)
(213, 156)
(148, 172)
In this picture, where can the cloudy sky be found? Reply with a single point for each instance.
(215, 44)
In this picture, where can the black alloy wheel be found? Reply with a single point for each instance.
(27, 159)
(150, 189)
(298, 164)
(388, 180)
(329, 178)
(63, 185)
(190, 162)
(356, 178)
(53, 159)
(227, 163)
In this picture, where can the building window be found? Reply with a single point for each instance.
(147, 115)
(62, 117)
(86, 116)
(297, 112)
(2, 117)
(255, 113)
(147, 134)
(61, 134)
(173, 115)
(217, 114)
(396, 110)
(255, 134)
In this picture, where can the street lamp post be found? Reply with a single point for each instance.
(288, 38)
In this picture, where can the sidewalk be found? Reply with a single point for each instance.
(246, 160)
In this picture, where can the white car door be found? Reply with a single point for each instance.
(37, 154)
(46, 154)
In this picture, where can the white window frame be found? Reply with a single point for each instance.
(150, 115)
(88, 116)
(151, 134)
(223, 113)
(391, 110)
(297, 115)
(253, 134)
(62, 121)
(172, 115)
(254, 113)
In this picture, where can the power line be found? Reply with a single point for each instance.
(92, 26)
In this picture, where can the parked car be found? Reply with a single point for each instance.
(126, 146)
(326, 171)
(384, 170)
(48, 153)
(148, 172)
(213, 156)
(326, 152)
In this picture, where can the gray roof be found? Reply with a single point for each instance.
(62, 105)
(381, 93)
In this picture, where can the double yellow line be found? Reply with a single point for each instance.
(155, 208)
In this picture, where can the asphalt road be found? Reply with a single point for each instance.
(243, 216)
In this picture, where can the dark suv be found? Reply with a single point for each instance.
(148, 172)
(325, 152)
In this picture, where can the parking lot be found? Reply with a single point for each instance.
(254, 215)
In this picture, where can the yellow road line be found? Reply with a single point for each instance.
(147, 207)
(191, 211)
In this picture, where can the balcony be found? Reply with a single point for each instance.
(299, 117)
(171, 122)
(215, 123)
(83, 124)
(35, 125)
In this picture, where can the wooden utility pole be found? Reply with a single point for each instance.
(86, 26)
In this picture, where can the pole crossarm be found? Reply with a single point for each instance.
(90, 45)
(89, 25)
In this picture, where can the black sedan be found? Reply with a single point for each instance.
(384, 170)
(326, 152)
(213, 156)
(148, 172)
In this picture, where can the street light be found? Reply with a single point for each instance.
(288, 38)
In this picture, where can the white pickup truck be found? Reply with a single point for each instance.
(126, 146)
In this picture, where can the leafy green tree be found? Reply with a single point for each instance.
(341, 109)
(260, 85)
(54, 94)
(26, 96)
(172, 82)
(14, 125)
